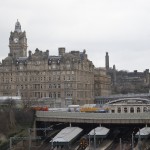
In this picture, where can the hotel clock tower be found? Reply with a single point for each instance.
(18, 42)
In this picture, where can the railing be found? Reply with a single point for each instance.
(142, 118)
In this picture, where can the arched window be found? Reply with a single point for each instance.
(131, 110)
(119, 110)
(50, 95)
(145, 109)
(138, 109)
(125, 110)
(148, 108)
(112, 111)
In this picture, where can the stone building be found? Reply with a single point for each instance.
(124, 82)
(128, 105)
(101, 82)
(64, 79)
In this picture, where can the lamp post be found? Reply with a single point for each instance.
(37, 129)
(132, 144)
(94, 140)
(89, 142)
(120, 144)
(10, 143)
(139, 141)
(29, 132)
(52, 144)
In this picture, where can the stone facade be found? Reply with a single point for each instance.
(128, 105)
(125, 82)
(101, 82)
(18, 42)
(64, 79)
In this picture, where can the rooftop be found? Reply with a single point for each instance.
(67, 134)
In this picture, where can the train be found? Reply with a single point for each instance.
(84, 142)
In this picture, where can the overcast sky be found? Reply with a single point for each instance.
(119, 27)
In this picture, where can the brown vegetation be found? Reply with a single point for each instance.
(14, 121)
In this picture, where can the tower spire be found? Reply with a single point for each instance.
(18, 26)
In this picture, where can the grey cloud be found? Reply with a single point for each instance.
(120, 27)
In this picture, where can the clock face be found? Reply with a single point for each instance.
(15, 40)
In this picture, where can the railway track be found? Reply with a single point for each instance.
(125, 134)
(122, 140)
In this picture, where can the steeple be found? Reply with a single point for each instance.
(18, 26)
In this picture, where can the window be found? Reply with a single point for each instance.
(131, 110)
(54, 94)
(119, 110)
(138, 109)
(113, 111)
(59, 95)
(125, 110)
(68, 66)
(58, 85)
(50, 95)
(58, 78)
(145, 109)
(54, 85)
(50, 86)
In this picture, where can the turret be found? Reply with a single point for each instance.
(61, 51)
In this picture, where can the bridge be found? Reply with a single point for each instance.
(100, 118)
(106, 99)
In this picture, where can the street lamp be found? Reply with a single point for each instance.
(120, 144)
(139, 141)
(132, 144)
(52, 144)
(89, 142)
(94, 140)
(37, 129)
(138, 135)
(10, 143)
